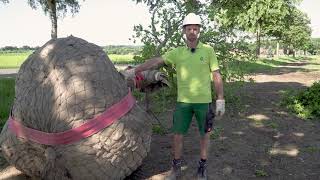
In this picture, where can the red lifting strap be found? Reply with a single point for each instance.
(138, 80)
(87, 129)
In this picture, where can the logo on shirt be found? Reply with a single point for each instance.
(203, 60)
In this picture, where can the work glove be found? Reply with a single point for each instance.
(161, 77)
(220, 107)
(128, 73)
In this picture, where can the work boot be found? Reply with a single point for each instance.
(175, 171)
(202, 171)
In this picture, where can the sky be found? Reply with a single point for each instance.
(103, 22)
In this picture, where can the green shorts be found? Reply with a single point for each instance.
(183, 114)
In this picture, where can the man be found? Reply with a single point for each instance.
(194, 63)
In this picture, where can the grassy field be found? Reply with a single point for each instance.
(263, 65)
(6, 97)
(14, 60)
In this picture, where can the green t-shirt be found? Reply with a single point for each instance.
(193, 72)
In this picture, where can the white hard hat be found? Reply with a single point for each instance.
(191, 18)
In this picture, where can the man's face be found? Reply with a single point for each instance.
(191, 32)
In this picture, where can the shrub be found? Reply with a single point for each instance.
(305, 103)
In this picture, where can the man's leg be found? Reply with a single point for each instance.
(177, 145)
(181, 121)
(204, 117)
(176, 162)
(204, 144)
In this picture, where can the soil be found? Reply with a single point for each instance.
(255, 139)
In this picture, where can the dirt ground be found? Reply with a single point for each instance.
(259, 140)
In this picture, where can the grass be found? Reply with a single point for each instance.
(6, 98)
(158, 129)
(268, 65)
(272, 125)
(121, 59)
(216, 132)
(260, 173)
(311, 149)
(14, 60)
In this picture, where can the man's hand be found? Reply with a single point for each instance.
(220, 107)
(128, 73)
(160, 76)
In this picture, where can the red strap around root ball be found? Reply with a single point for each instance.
(85, 130)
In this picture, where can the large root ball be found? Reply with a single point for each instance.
(61, 86)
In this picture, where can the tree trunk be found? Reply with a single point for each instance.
(277, 49)
(258, 34)
(53, 18)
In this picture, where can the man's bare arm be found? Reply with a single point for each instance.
(153, 63)
(218, 84)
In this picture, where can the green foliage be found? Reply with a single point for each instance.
(162, 99)
(148, 51)
(261, 173)
(271, 18)
(216, 132)
(4, 1)
(311, 149)
(230, 54)
(247, 15)
(298, 33)
(272, 125)
(314, 46)
(7, 97)
(123, 49)
(15, 49)
(164, 30)
(158, 129)
(306, 103)
(55, 9)
(62, 6)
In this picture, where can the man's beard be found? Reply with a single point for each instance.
(193, 38)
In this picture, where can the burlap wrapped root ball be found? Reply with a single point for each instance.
(59, 87)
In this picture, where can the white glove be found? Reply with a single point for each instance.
(220, 107)
(128, 73)
(159, 76)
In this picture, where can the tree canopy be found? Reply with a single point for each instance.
(263, 17)
(4, 1)
(227, 25)
(55, 9)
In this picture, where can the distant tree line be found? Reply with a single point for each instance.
(311, 47)
(15, 49)
(314, 46)
(110, 49)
